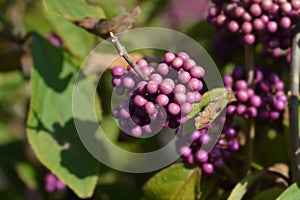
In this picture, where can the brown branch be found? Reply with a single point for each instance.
(103, 27)
(294, 105)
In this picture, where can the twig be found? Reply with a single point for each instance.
(249, 63)
(249, 145)
(231, 177)
(294, 104)
(122, 51)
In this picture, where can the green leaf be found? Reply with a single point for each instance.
(291, 193)
(271, 193)
(242, 187)
(50, 127)
(175, 182)
(110, 127)
(75, 9)
(77, 40)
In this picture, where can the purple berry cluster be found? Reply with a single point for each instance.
(271, 21)
(223, 149)
(52, 183)
(164, 100)
(265, 100)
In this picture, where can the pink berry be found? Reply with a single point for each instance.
(169, 57)
(174, 109)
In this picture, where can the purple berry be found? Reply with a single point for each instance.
(179, 88)
(150, 108)
(233, 26)
(189, 64)
(241, 85)
(234, 145)
(241, 109)
(219, 163)
(118, 71)
(208, 168)
(258, 24)
(183, 55)
(177, 63)
(162, 100)
(230, 110)
(165, 88)
(185, 151)
(156, 77)
(184, 77)
(255, 101)
(174, 109)
(140, 100)
(205, 139)
(179, 98)
(198, 97)
(186, 108)
(242, 96)
(197, 72)
(163, 69)
(249, 39)
(190, 97)
(285, 22)
(128, 82)
(142, 63)
(194, 84)
(272, 26)
(201, 156)
(152, 87)
(169, 57)
(137, 131)
(255, 10)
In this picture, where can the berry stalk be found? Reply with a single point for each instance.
(249, 63)
(122, 51)
(294, 104)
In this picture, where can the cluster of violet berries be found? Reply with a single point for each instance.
(164, 100)
(52, 183)
(271, 21)
(265, 100)
(226, 145)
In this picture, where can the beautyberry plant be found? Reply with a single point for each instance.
(269, 22)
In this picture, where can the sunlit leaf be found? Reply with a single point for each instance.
(50, 127)
(175, 182)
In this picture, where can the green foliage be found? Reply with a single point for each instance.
(291, 193)
(51, 131)
(173, 183)
(242, 187)
(271, 193)
(76, 9)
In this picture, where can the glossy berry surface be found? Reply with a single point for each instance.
(164, 100)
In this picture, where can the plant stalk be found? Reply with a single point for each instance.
(249, 64)
(231, 177)
(294, 104)
(122, 51)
